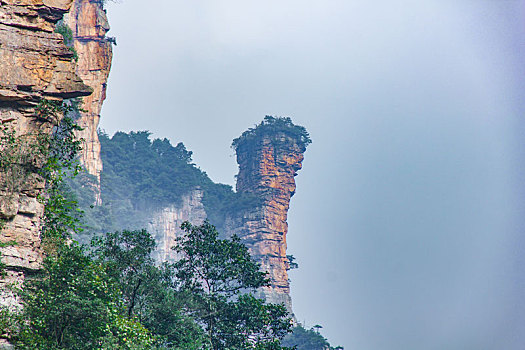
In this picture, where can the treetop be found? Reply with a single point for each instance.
(272, 126)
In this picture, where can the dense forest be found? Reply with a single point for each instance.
(141, 176)
(107, 292)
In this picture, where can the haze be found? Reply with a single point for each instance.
(408, 218)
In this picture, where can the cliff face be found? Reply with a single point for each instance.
(165, 225)
(267, 168)
(34, 64)
(89, 24)
(269, 157)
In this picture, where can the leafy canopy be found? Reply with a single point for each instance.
(148, 291)
(142, 175)
(272, 126)
(72, 304)
(220, 276)
(308, 339)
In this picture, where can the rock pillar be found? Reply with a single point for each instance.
(89, 24)
(268, 164)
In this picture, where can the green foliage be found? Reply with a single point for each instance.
(310, 339)
(272, 126)
(67, 34)
(127, 255)
(9, 321)
(250, 323)
(291, 262)
(20, 157)
(213, 266)
(219, 274)
(61, 214)
(114, 296)
(75, 306)
(41, 155)
(198, 302)
(145, 172)
(45, 153)
(112, 40)
(58, 149)
(141, 175)
(148, 291)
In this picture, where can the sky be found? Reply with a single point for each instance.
(407, 223)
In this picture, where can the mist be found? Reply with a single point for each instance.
(407, 222)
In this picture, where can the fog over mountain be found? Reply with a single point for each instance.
(407, 223)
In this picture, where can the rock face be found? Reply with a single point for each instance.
(267, 168)
(165, 225)
(89, 24)
(34, 64)
(269, 157)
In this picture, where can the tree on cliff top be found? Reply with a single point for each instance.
(308, 339)
(271, 126)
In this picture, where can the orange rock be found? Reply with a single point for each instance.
(88, 21)
(34, 64)
(267, 169)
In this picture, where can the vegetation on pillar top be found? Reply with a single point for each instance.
(272, 126)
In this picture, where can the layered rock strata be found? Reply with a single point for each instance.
(34, 64)
(165, 224)
(89, 24)
(267, 169)
(268, 164)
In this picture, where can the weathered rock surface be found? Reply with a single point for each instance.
(34, 64)
(89, 24)
(267, 169)
(165, 224)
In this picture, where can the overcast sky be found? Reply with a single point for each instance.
(408, 218)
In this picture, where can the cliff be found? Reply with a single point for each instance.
(34, 64)
(89, 24)
(150, 184)
(165, 224)
(269, 157)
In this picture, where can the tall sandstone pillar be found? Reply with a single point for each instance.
(89, 24)
(34, 64)
(269, 159)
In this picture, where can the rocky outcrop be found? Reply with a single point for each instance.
(165, 224)
(267, 166)
(269, 157)
(34, 64)
(89, 24)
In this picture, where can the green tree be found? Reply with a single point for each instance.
(76, 306)
(271, 126)
(127, 256)
(311, 339)
(219, 274)
(148, 290)
(72, 303)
